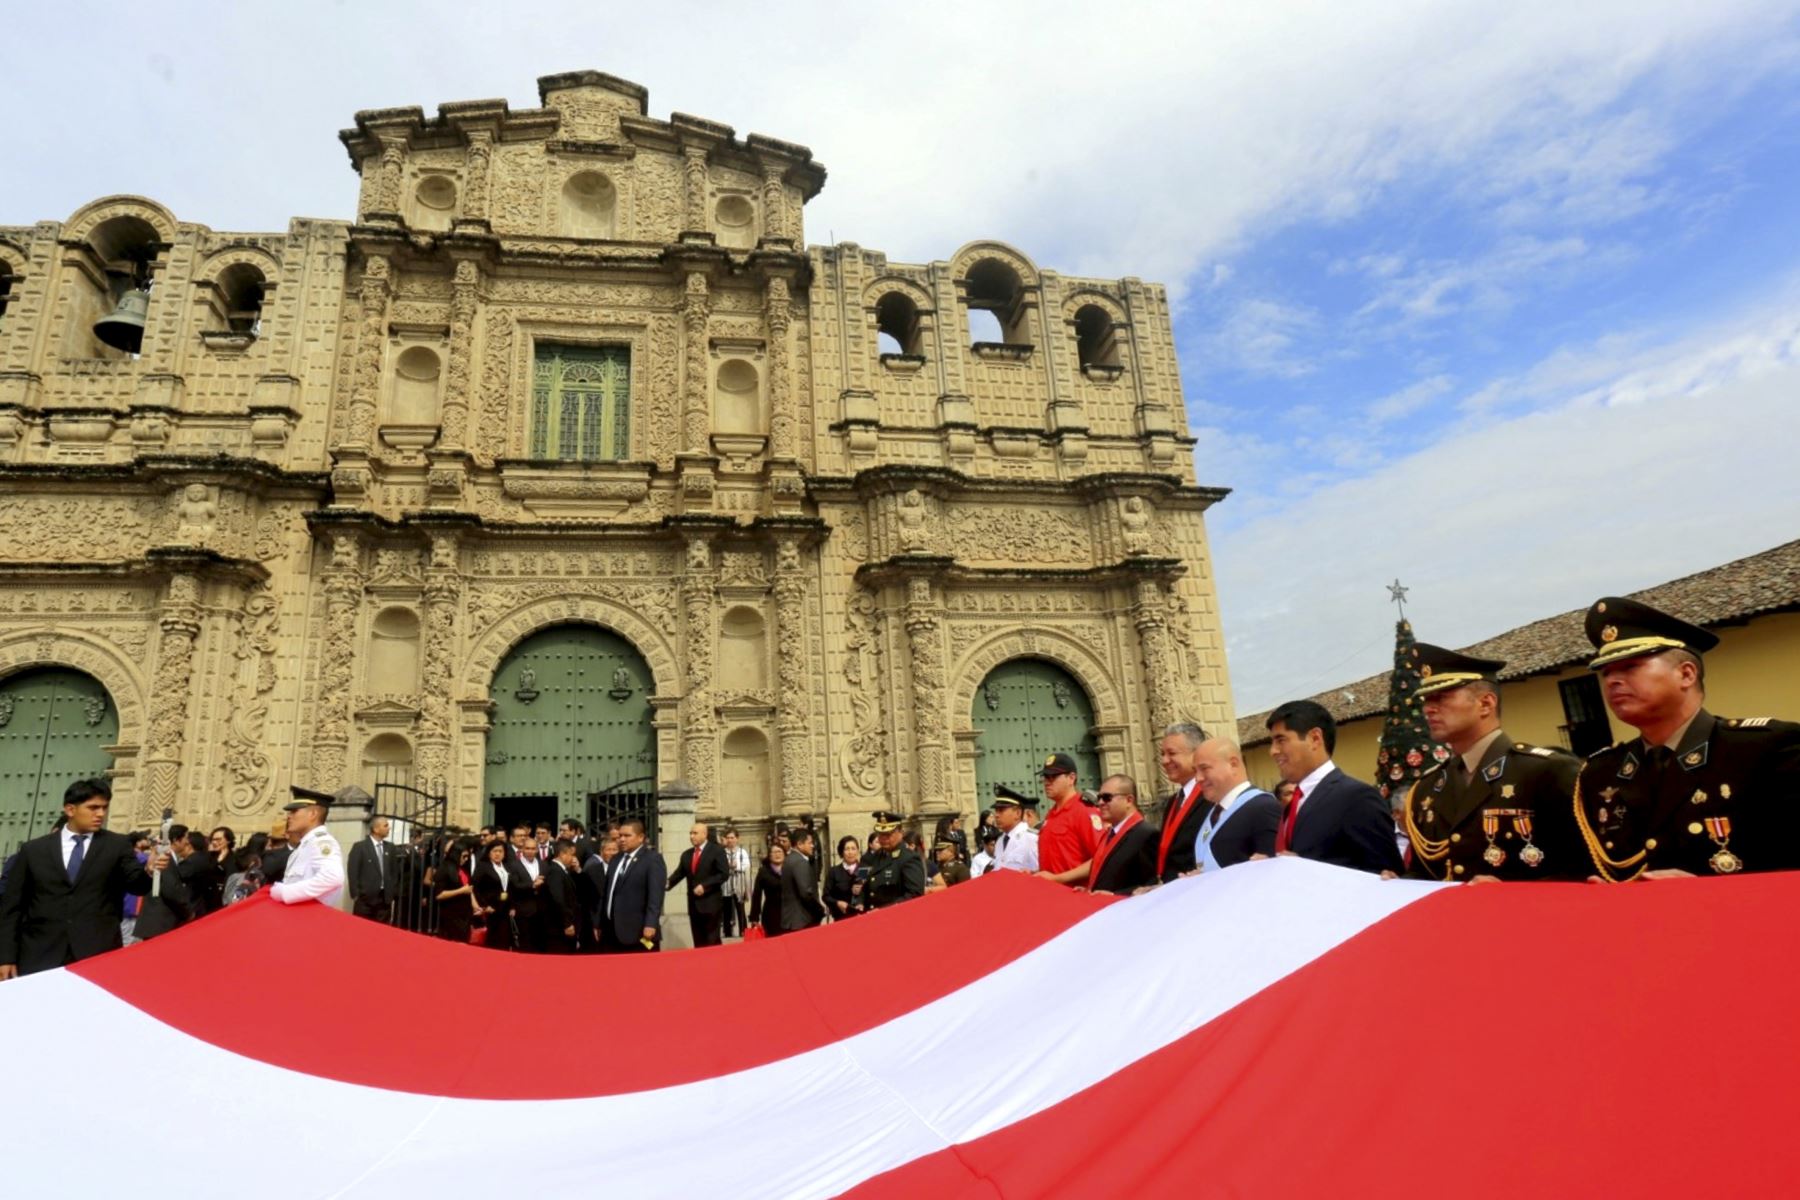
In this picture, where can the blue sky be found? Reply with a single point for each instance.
(1500, 299)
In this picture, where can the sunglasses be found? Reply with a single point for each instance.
(1103, 797)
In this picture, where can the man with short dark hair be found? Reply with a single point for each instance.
(1126, 858)
(737, 885)
(1332, 817)
(374, 872)
(64, 894)
(559, 912)
(704, 869)
(1071, 832)
(527, 874)
(1692, 794)
(801, 907)
(576, 832)
(631, 912)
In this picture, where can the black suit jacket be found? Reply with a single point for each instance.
(800, 905)
(48, 922)
(521, 893)
(1249, 828)
(713, 872)
(1346, 822)
(1131, 864)
(1181, 850)
(368, 879)
(636, 886)
(559, 906)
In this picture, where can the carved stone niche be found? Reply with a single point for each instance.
(576, 490)
(80, 432)
(740, 417)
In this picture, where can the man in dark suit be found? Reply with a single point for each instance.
(172, 906)
(801, 907)
(65, 895)
(631, 916)
(1332, 817)
(1241, 819)
(705, 869)
(559, 909)
(590, 893)
(526, 871)
(374, 874)
(1186, 807)
(576, 832)
(1126, 858)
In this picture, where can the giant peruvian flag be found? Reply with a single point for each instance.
(1278, 1029)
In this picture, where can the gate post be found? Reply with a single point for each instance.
(675, 806)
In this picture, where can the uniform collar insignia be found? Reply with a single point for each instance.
(1695, 758)
(1493, 770)
(1439, 785)
(1629, 767)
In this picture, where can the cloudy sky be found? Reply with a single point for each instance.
(1503, 300)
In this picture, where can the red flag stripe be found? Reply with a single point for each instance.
(794, 992)
(1531, 1039)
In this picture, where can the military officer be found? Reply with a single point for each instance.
(1017, 847)
(315, 868)
(1497, 809)
(896, 873)
(951, 869)
(1692, 794)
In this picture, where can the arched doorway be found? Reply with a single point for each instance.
(572, 722)
(55, 725)
(1025, 711)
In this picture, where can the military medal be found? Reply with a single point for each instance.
(1493, 856)
(1529, 854)
(1724, 862)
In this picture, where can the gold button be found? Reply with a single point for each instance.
(1456, 837)
(1509, 835)
(1649, 843)
(1696, 827)
(1609, 845)
(1459, 869)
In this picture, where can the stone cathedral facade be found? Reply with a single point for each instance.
(568, 469)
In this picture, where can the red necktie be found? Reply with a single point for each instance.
(1285, 839)
(1174, 822)
(695, 865)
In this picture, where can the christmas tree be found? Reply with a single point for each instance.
(1407, 750)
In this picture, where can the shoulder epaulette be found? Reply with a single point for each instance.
(1605, 750)
(1749, 722)
(1433, 769)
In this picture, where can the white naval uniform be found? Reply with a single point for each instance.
(1017, 850)
(315, 871)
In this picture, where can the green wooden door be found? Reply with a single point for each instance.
(55, 726)
(1026, 710)
(571, 716)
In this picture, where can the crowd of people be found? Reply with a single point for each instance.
(1692, 794)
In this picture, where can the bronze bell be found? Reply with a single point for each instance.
(124, 329)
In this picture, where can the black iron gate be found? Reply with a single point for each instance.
(418, 824)
(623, 800)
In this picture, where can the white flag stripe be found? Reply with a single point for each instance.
(1136, 976)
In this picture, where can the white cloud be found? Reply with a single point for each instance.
(1639, 466)
(1409, 399)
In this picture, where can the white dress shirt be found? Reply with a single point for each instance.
(315, 870)
(68, 846)
(1310, 783)
(1017, 849)
(1214, 822)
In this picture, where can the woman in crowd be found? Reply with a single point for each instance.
(490, 883)
(456, 893)
(765, 896)
(844, 882)
(949, 829)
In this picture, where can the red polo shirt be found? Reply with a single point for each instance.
(1069, 836)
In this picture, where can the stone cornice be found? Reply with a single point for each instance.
(181, 468)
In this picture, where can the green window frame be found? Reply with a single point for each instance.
(581, 403)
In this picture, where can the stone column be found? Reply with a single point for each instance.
(1153, 639)
(931, 734)
(675, 807)
(699, 728)
(180, 628)
(696, 418)
(337, 658)
(455, 418)
(793, 718)
(779, 314)
(386, 199)
(774, 201)
(694, 194)
(365, 382)
(475, 189)
(443, 599)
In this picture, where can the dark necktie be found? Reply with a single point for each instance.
(75, 857)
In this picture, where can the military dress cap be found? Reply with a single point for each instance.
(1441, 669)
(306, 797)
(1622, 629)
(1058, 764)
(885, 821)
(1006, 795)
(943, 844)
